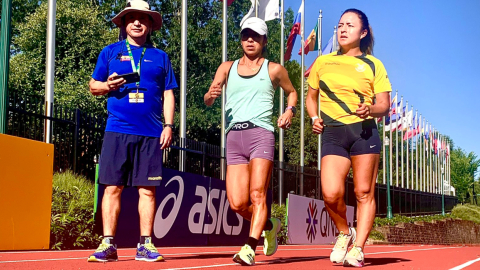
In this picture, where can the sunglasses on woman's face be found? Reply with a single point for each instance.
(247, 33)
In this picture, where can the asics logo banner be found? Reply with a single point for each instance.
(213, 203)
(191, 210)
(163, 225)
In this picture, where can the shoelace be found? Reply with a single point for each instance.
(354, 251)
(341, 240)
(102, 247)
(150, 247)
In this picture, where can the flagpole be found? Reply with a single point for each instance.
(281, 108)
(423, 158)
(396, 139)
(419, 138)
(436, 163)
(390, 160)
(411, 155)
(256, 8)
(416, 150)
(401, 142)
(50, 70)
(319, 44)
(183, 85)
(443, 181)
(335, 39)
(407, 126)
(384, 149)
(447, 167)
(302, 101)
(427, 159)
(223, 163)
(430, 171)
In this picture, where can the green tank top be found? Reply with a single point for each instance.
(249, 98)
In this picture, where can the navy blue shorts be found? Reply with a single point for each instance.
(351, 140)
(130, 160)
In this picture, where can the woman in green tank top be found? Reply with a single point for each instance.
(250, 140)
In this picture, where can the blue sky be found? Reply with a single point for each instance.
(423, 45)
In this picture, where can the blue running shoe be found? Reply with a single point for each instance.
(148, 252)
(105, 252)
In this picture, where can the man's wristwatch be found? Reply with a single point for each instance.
(294, 110)
(169, 125)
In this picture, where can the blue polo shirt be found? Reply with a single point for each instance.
(156, 76)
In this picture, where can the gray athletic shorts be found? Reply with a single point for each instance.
(247, 144)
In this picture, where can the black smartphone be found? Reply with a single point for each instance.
(130, 77)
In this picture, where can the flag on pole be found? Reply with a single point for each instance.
(326, 50)
(229, 2)
(392, 108)
(293, 33)
(393, 122)
(407, 120)
(267, 10)
(311, 44)
(413, 129)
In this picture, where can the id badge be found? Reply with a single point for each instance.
(136, 98)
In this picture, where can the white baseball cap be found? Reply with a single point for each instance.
(256, 24)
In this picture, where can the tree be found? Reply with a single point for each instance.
(463, 169)
(81, 32)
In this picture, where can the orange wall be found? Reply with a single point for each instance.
(26, 171)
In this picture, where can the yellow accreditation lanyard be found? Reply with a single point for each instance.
(136, 68)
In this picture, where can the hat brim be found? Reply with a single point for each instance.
(156, 17)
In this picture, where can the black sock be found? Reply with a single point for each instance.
(252, 242)
(268, 225)
(110, 239)
(142, 239)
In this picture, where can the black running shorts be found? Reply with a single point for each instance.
(130, 160)
(351, 140)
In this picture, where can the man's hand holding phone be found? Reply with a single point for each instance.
(114, 82)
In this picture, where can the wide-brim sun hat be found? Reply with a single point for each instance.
(139, 6)
(256, 24)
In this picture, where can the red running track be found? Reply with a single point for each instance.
(287, 257)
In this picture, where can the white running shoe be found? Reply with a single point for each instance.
(340, 249)
(354, 257)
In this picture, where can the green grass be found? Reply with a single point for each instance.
(72, 212)
(467, 212)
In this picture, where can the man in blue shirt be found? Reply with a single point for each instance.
(134, 136)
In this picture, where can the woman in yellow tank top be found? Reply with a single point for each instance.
(354, 88)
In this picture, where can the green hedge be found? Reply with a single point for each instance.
(280, 212)
(467, 212)
(72, 212)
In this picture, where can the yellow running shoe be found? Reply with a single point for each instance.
(246, 256)
(340, 249)
(354, 257)
(270, 243)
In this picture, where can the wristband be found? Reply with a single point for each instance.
(169, 125)
(313, 119)
(292, 108)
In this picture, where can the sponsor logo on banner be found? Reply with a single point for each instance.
(312, 220)
(313, 226)
(218, 218)
(191, 210)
